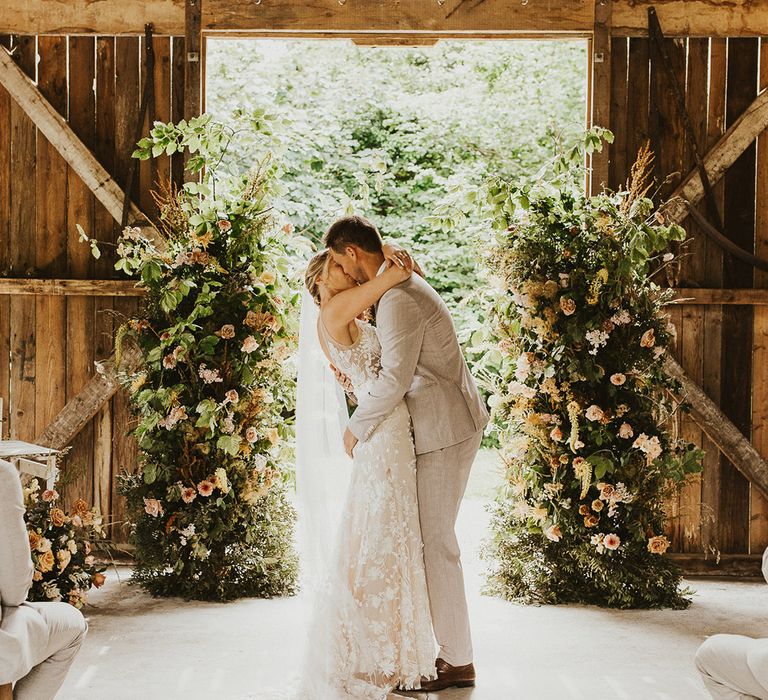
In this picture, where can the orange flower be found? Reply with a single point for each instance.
(98, 579)
(46, 561)
(34, 539)
(58, 517)
(591, 520)
(80, 507)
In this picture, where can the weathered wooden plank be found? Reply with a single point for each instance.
(740, 565)
(69, 287)
(618, 170)
(177, 102)
(738, 219)
(126, 105)
(80, 312)
(717, 297)
(721, 430)
(114, 17)
(713, 315)
(22, 250)
(162, 106)
(5, 225)
(53, 126)
(104, 268)
(678, 17)
(51, 239)
(758, 518)
(600, 83)
(637, 99)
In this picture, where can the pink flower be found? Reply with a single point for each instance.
(594, 413)
(618, 379)
(169, 361)
(250, 344)
(50, 495)
(611, 541)
(625, 431)
(205, 487)
(567, 306)
(231, 396)
(226, 331)
(556, 435)
(223, 225)
(251, 434)
(153, 507)
(188, 494)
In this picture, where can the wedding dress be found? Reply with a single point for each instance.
(371, 629)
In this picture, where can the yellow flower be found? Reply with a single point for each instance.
(268, 277)
(58, 517)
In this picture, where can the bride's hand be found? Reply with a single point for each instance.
(402, 269)
(394, 255)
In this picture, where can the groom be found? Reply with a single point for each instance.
(421, 360)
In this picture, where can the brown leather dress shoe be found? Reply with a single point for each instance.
(450, 677)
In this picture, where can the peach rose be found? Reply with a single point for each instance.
(153, 507)
(611, 541)
(49, 495)
(188, 494)
(556, 434)
(597, 505)
(553, 533)
(80, 506)
(583, 509)
(34, 539)
(594, 413)
(46, 561)
(64, 556)
(567, 306)
(98, 579)
(618, 379)
(591, 520)
(58, 517)
(625, 431)
(658, 544)
(226, 331)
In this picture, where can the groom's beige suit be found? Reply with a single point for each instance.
(422, 361)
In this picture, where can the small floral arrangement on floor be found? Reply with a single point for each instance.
(62, 546)
(580, 398)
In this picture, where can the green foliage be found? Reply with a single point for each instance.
(214, 394)
(390, 133)
(580, 398)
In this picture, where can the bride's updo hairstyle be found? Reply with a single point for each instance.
(314, 273)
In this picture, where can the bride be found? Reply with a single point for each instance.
(371, 629)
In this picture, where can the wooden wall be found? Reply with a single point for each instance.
(722, 347)
(53, 341)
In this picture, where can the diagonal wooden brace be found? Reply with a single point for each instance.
(58, 132)
(722, 155)
(719, 428)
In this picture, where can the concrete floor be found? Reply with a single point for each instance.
(139, 647)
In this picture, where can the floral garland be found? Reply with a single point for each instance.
(214, 394)
(61, 546)
(581, 401)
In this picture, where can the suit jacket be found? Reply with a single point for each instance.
(422, 361)
(23, 631)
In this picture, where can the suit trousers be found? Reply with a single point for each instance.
(66, 629)
(441, 480)
(734, 667)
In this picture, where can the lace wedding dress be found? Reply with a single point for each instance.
(372, 629)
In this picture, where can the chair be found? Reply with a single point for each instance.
(6, 692)
(28, 458)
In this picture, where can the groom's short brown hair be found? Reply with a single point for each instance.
(353, 230)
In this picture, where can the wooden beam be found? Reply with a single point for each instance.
(167, 16)
(746, 297)
(116, 17)
(60, 135)
(70, 287)
(84, 406)
(600, 93)
(695, 564)
(194, 59)
(723, 154)
(728, 438)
